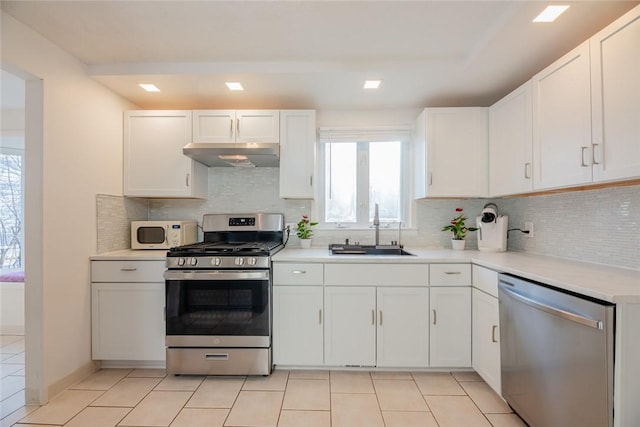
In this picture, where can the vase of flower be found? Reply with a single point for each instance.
(304, 231)
(458, 245)
(458, 230)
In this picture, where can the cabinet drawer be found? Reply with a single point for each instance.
(298, 274)
(127, 271)
(450, 274)
(376, 274)
(486, 280)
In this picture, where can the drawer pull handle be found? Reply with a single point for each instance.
(493, 333)
(128, 269)
(452, 272)
(298, 272)
(217, 356)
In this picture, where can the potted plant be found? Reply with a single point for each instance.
(458, 230)
(305, 232)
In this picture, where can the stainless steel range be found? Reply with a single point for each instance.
(218, 297)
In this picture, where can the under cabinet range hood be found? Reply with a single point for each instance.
(248, 154)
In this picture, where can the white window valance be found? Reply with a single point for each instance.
(369, 134)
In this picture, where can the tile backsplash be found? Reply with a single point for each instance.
(601, 225)
(114, 215)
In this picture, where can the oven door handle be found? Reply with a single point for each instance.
(216, 275)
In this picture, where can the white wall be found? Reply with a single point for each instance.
(81, 156)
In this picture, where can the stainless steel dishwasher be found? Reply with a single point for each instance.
(556, 355)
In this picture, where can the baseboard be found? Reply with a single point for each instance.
(69, 380)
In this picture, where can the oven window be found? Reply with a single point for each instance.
(151, 235)
(202, 307)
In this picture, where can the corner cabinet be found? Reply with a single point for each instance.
(154, 165)
(615, 61)
(297, 153)
(511, 143)
(225, 126)
(486, 327)
(127, 311)
(451, 146)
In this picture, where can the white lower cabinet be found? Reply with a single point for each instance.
(403, 327)
(450, 330)
(298, 325)
(127, 310)
(128, 321)
(350, 326)
(486, 338)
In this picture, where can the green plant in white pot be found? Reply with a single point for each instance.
(458, 230)
(305, 232)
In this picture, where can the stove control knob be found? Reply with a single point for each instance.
(239, 261)
(193, 261)
(252, 261)
(216, 261)
(181, 262)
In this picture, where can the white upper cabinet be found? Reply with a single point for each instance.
(615, 67)
(562, 122)
(225, 126)
(511, 143)
(154, 165)
(297, 153)
(451, 152)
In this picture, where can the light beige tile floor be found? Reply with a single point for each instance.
(298, 398)
(11, 374)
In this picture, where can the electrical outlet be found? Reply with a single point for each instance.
(292, 226)
(528, 226)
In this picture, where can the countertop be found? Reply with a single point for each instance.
(617, 285)
(131, 255)
(612, 284)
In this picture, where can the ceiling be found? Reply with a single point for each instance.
(313, 54)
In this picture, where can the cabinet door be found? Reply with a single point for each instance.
(450, 331)
(350, 330)
(127, 321)
(615, 61)
(403, 327)
(562, 122)
(297, 153)
(486, 338)
(258, 126)
(455, 147)
(511, 143)
(214, 126)
(298, 325)
(154, 165)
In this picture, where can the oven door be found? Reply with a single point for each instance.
(218, 308)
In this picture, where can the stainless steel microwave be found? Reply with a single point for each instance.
(162, 234)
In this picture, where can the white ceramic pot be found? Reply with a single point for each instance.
(305, 243)
(458, 245)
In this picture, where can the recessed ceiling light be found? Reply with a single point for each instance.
(372, 84)
(149, 87)
(234, 85)
(550, 13)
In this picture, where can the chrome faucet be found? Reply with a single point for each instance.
(376, 224)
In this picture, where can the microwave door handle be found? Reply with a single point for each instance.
(166, 235)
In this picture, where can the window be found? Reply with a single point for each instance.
(357, 175)
(11, 203)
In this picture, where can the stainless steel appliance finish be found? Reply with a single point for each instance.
(218, 297)
(234, 154)
(556, 355)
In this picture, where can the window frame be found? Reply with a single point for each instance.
(9, 149)
(362, 182)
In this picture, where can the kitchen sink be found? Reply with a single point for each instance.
(348, 249)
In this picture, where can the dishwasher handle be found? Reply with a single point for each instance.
(596, 324)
